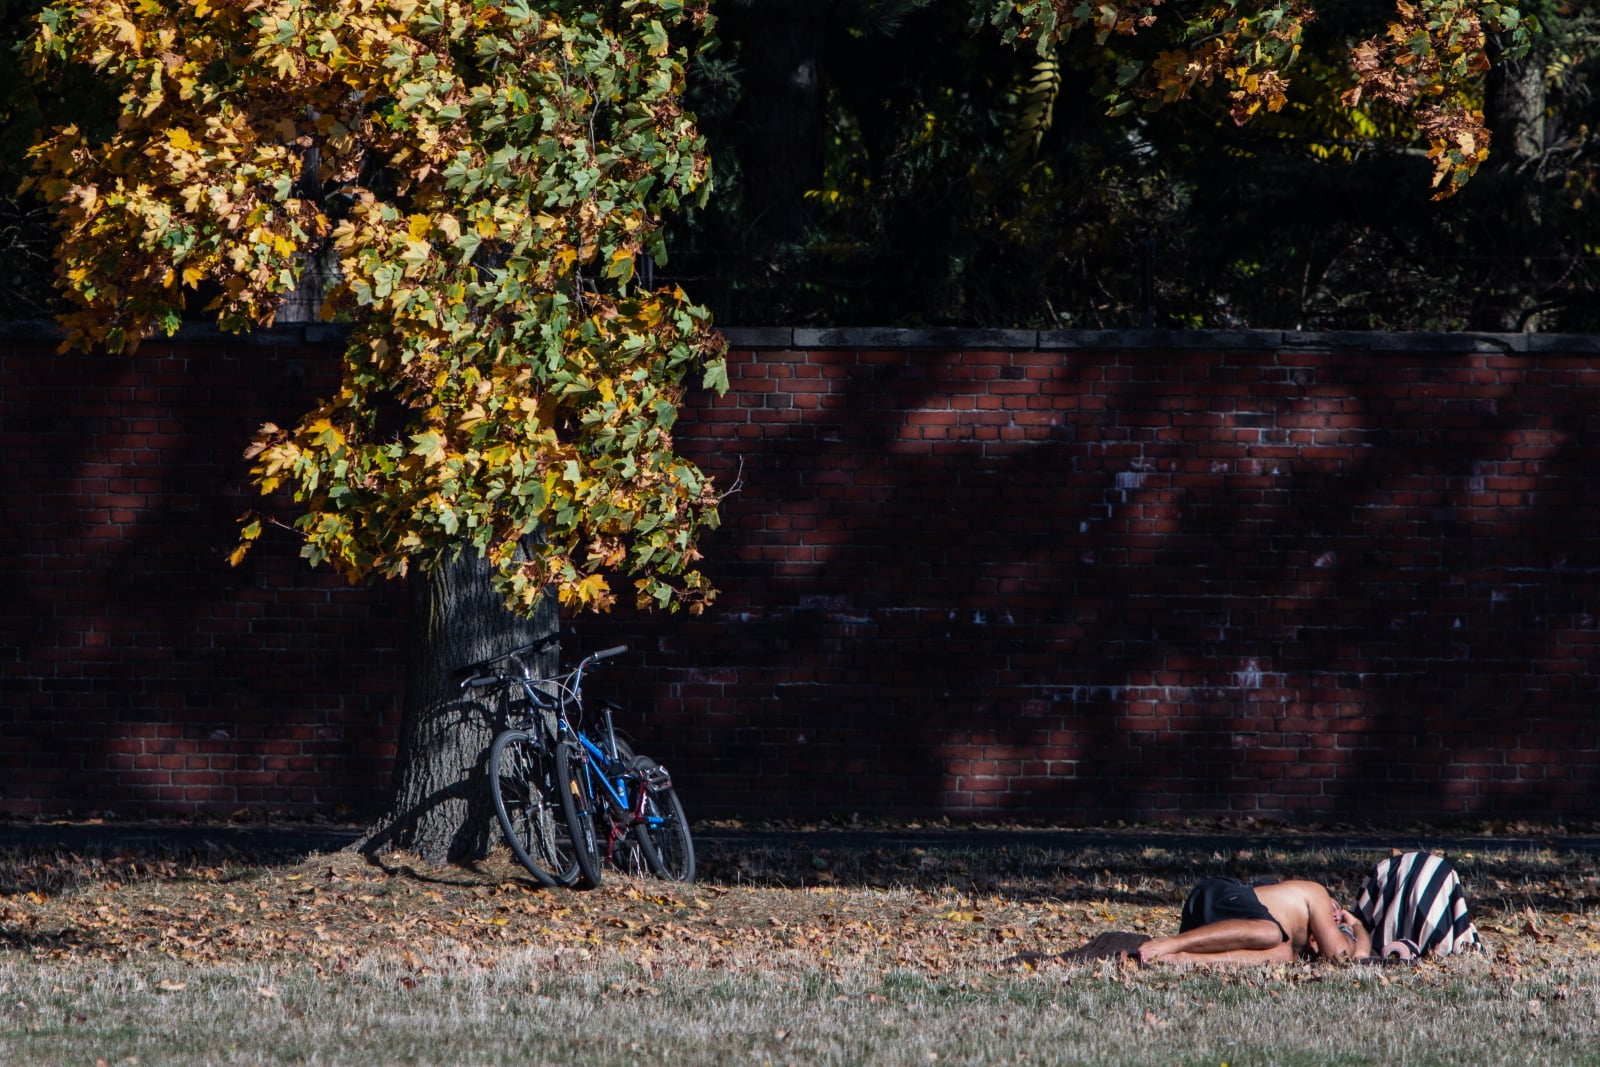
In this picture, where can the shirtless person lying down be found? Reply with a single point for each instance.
(1225, 921)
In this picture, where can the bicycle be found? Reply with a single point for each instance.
(641, 803)
(546, 765)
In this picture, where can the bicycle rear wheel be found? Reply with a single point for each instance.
(526, 784)
(626, 854)
(664, 835)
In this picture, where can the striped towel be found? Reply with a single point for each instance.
(1414, 905)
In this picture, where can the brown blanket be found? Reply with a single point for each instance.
(1113, 945)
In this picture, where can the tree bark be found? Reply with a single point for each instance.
(1514, 106)
(440, 806)
(1515, 103)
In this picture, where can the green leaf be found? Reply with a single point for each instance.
(430, 446)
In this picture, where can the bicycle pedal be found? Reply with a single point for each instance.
(656, 778)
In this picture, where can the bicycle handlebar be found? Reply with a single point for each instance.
(476, 678)
(477, 668)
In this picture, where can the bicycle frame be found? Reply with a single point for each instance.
(604, 767)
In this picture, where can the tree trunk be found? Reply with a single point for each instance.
(781, 147)
(440, 806)
(1515, 103)
(1514, 106)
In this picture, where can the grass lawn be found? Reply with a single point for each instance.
(804, 953)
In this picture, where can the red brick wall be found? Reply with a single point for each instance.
(140, 673)
(1077, 576)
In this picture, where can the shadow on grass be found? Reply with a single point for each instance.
(1543, 880)
(48, 871)
(467, 875)
(1509, 879)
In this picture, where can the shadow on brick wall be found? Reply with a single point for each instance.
(1134, 583)
(142, 673)
(1310, 579)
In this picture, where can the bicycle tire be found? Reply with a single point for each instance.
(625, 853)
(664, 838)
(578, 807)
(524, 782)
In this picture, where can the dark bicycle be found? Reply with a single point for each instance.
(546, 771)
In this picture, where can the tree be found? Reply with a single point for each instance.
(487, 176)
(972, 184)
(1425, 63)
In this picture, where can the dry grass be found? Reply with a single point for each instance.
(800, 953)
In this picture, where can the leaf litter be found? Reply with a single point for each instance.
(800, 906)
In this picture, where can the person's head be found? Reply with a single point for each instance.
(1350, 925)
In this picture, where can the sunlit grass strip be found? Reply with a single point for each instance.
(523, 1010)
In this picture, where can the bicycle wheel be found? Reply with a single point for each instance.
(625, 853)
(664, 835)
(525, 783)
(578, 807)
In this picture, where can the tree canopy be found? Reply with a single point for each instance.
(1426, 60)
(968, 184)
(488, 178)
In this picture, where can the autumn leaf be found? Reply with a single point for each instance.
(470, 195)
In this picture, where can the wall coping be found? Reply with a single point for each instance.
(799, 338)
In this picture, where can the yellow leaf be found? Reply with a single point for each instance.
(420, 227)
(180, 139)
(127, 32)
(324, 432)
(959, 915)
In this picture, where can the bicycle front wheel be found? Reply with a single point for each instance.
(527, 786)
(664, 835)
(578, 807)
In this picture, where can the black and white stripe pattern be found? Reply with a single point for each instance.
(1417, 897)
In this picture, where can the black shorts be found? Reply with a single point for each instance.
(1216, 899)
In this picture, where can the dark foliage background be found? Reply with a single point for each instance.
(26, 290)
(885, 163)
(929, 201)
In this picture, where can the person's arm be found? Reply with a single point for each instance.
(1229, 935)
(1331, 942)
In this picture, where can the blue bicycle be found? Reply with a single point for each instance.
(546, 773)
